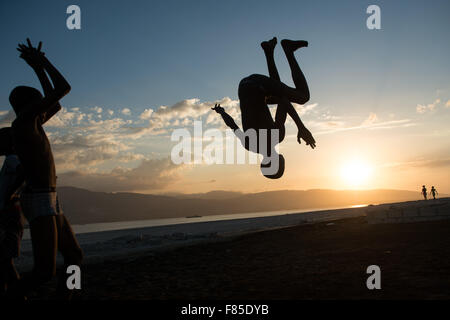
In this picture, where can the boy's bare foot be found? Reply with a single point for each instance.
(270, 44)
(291, 45)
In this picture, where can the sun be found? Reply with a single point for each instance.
(356, 172)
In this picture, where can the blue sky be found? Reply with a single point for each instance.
(149, 53)
(146, 54)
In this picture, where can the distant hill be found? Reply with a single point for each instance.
(216, 194)
(82, 206)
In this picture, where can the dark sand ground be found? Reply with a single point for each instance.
(317, 261)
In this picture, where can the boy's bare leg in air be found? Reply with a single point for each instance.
(300, 94)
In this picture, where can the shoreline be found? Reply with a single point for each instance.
(149, 223)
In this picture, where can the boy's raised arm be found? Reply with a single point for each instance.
(47, 87)
(50, 103)
(229, 121)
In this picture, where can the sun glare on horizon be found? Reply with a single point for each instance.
(356, 173)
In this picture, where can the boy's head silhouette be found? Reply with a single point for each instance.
(22, 96)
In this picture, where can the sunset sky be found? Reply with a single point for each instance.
(379, 108)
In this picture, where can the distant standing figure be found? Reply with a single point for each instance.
(433, 192)
(424, 192)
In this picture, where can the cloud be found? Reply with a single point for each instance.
(324, 122)
(183, 113)
(403, 123)
(78, 151)
(424, 163)
(81, 139)
(97, 109)
(302, 110)
(327, 126)
(434, 163)
(372, 119)
(146, 114)
(421, 109)
(6, 118)
(152, 174)
(84, 144)
(65, 117)
(372, 122)
(191, 108)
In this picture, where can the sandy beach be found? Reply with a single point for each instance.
(322, 255)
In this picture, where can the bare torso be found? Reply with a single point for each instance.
(256, 116)
(33, 149)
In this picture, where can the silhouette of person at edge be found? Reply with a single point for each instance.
(11, 225)
(256, 91)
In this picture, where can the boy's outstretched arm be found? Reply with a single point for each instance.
(61, 87)
(47, 88)
(232, 125)
(226, 117)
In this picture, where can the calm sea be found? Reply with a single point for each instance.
(108, 226)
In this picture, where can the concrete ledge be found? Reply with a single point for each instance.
(395, 213)
(414, 211)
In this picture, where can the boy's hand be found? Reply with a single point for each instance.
(32, 56)
(304, 134)
(217, 108)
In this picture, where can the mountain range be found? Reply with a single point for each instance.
(83, 206)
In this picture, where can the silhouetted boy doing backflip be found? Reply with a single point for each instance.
(255, 92)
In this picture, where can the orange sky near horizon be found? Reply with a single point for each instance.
(362, 158)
